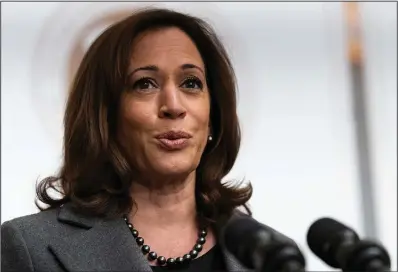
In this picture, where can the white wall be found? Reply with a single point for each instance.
(298, 145)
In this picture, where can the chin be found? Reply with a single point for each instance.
(173, 168)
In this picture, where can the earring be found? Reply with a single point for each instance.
(210, 138)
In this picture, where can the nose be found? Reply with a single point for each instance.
(171, 104)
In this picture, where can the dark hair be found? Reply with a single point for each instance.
(95, 176)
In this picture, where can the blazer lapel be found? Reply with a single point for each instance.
(98, 245)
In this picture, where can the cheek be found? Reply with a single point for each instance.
(204, 114)
(137, 113)
(135, 119)
(201, 115)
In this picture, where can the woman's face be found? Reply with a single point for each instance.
(165, 111)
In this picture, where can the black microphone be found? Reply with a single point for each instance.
(340, 247)
(262, 248)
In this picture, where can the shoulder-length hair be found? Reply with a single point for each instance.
(95, 176)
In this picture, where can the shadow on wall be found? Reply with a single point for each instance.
(81, 43)
(59, 49)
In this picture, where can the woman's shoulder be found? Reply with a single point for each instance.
(41, 220)
(226, 219)
(237, 213)
(26, 240)
(31, 229)
(54, 223)
(241, 211)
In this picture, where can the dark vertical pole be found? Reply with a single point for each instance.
(355, 54)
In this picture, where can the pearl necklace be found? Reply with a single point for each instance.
(162, 261)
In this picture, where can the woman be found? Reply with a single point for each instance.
(150, 130)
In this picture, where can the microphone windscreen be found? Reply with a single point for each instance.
(239, 238)
(238, 230)
(325, 235)
(244, 235)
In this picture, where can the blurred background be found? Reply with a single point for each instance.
(317, 103)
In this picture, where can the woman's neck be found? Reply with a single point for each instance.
(165, 216)
(167, 203)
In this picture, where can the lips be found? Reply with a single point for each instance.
(173, 140)
(174, 135)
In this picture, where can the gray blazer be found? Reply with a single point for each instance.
(61, 240)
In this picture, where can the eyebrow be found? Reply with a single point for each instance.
(156, 68)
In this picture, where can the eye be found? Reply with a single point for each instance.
(192, 83)
(144, 84)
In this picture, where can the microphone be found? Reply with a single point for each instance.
(340, 247)
(262, 248)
